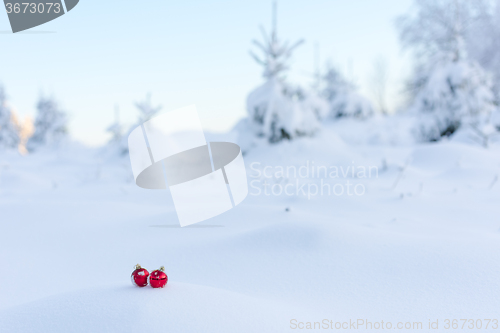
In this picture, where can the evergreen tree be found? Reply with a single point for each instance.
(451, 91)
(146, 109)
(276, 109)
(9, 132)
(50, 124)
(116, 129)
(456, 94)
(482, 38)
(343, 99)
(146, 112)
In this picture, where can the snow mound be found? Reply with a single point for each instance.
(179, 307)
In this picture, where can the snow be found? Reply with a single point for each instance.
(123, 308)
(421, 244)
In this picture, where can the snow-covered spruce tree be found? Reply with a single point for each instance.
(117, 144)
(482, 38)
(146, 109)
(457, 94)
(146, 112)
(278, 110)
(9, 132)
(451, 91)
(116, 128)
(50, 124)
(482, 46)
(343, 99)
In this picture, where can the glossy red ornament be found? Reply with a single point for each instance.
(140, 276)
(158, 278)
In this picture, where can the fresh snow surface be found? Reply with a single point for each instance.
(422, 243)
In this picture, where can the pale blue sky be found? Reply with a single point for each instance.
(104, 53)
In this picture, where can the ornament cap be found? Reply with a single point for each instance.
(162, 269)
(138, 266)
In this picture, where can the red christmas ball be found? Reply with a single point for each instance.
(140, 276)
(158, 278)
